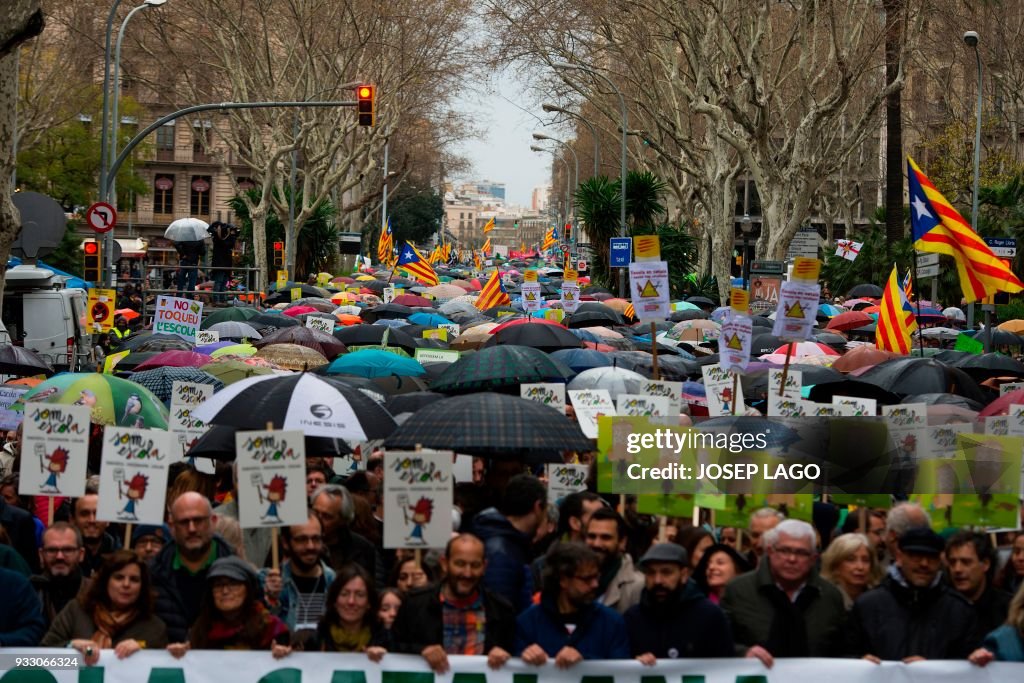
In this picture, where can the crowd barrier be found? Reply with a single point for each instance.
(260, 667)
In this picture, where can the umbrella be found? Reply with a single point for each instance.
(944, 333)
(386, 311)
(999, 337)
(413, 300)
(944, 400)
(801, 349)
(218, 443)
(1014, 326)
(305, 336)
(592, 318)
(905, 376)
(232, 329)
(264, 320)
(862, 357)
(239, 314)
(358, 336)
(372, 363)
(695, 330)
(700, 301)
(127, 313)
(849, 321)
(579, 360)
(764, 343)
(133, 360)
(295, 311)
(317, 405)
(241, 350)
(155, 342)
(231, 370)
(187, 230)
(543, 337)
(990, 365)
(834, 339)
(865, 290)
(446, 291)
(492, 425)
(112, 400)
(1001, 406)
(292, 356)
(320, 303)
(680, 316)
(429, 319)
(500, 367)
(174, 359)
(513, 322)
(671, 368)
(404, 384)
(161, 380)
(615, 380)
(17, 360)
(474, 337)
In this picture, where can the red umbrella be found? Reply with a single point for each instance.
(598, 347)
(475, 284)
(849, 320)
(127, 313)
(1001, 406)
(526, 321)
(299, 310)
(412, 300)
(801, 349)
(175, 359)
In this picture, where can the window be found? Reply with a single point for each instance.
(163, 194)
(165, 143)
(199, 204)
(202, 140)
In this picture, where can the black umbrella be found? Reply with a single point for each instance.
(688, 314)
(495, 312)
(865, 290)
(500, 367)
(836, 341)
(823, 393)
(700, 300)
(278, 320)
(764, 343)
(905, 376)
(134, 360)
(999, 337)
(990, 365)
(595, 289)
(592, 318)
(386, 311)
(951, 356)
(944, 399)
(396, 385)
(376, 285)
(670, 368)
(544, 337)
(492, 425)
(373, 335)
(411, 402)
(758, 321)
(755, 382)
(285, 295)
(17, 360)
(219, 444)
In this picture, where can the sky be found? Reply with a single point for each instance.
(503, 153)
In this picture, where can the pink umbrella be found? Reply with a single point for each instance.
(299, 310)
(412, 300)
(1001, 406)
(801, 349)
(175, 359)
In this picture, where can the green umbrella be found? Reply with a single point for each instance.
(495, 367)
(239, 314)
(113, 400)
(230, 370)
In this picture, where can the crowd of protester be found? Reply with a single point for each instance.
(583, 579)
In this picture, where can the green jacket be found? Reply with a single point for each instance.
(762, 614)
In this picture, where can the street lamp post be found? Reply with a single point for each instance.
(746, 226)
(574, 184)
(550, 108)
(971, 39)
(622, 170)
(535, 148)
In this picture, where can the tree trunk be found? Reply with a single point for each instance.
(893, 127)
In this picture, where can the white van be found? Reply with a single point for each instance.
(43, 315)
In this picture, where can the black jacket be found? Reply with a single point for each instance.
(896, 620)
(508, 555)
(179, 593)
(54, 594)
(93, 561)
(687, 625)
(352, 547)
(190, 253)
(22, 532)
(419, 622)
(992, 609)
(223, 242)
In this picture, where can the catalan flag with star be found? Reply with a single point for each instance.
(385, 243)
(940, 229)
(896, 320)
(413, 261)
(493, 294)
(550, 239)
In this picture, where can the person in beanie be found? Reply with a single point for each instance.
(673, 619)
(913, 615)
(148, 540)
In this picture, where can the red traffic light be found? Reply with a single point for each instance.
(278, 245)
(91, 248)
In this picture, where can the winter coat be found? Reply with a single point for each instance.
(508, 556)
(22, 532)
(624, 590)
(353, 547)
(897, 620)
(190, 253)
(760, 613)
(1005, 643)
(992, 609)
(55, 595)
(178, 592)
(21, 620)
(74, 622)
(600, 631)
(686, 626)
(287, 602)
(419, 622)
(223, 243)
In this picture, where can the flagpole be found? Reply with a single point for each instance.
(920, 334)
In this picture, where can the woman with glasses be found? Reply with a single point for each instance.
(115, 612)
(350, 623)
(232, 617)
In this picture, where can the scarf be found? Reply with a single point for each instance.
(231, 636)
(109, 624)
(347, 641)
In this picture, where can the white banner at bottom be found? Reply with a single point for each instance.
(207, 666)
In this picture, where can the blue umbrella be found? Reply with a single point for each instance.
(373, 363)
(586, 335)
(579, 360)
(429, 319)
(830, 310)
(718, 315)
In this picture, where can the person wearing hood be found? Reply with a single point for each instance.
(913, 615)
(673, 619)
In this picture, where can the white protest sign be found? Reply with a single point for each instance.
(436, 356)
(822, 409)
(642, 405)
(794, 383)
(462, 468)
(564, 480)
(10, 419)
(570, 296)
(783, 406)
(1010, 387)
(271, 478)
(133, 475)
(320, 324)
(532, 298)
(906, 422)
(798, 306)
(939, 441)
(854, 406)
(177, 316)
(207, 337)
(648, 281)
(550, 394)
(718, 385)
(54, 450)
(673, 391)
(388, 295)
(185, 396)
(734, 342)
(418, 493)
(589, 405)
(453, 330)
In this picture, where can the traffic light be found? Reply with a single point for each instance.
(279, 254)
(366, 107)
(92, 262)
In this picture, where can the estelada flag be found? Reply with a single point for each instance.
(895, 321)
(493, 294)
(413, 261)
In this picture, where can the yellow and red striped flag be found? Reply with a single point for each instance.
(413, 261)
(895, 322)
(487, 247)
(488, 226)
(940, 229)
(385, 243)
(435, 255)
(550, 239)
(477, 263)
(630, 312)
(493, 294)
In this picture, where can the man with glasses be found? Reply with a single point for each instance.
(569, 625)
(61, 579)
(458, 616)
(297, 593)
(179, 570)
(783, 608)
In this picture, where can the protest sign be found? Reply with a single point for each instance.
(207, 337)
(418, 490)
(532, 298)
(642, 405)
(320, 324)
(10, 419)
(734, 342)
(550, 394)
(133, 475)
(185, 396)
(271, 478)
(54, 450)
(718, 385)
(794, 383)
(795, 314)
(177, 316)
(565, 479)
(673, 391)
(649, 284)
(589, 405)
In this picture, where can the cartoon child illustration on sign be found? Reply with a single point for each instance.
(57, 465)
(726, 398)
(136, 492)
(422, 512)
(277, 489)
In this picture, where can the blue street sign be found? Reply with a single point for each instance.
(621, 252)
